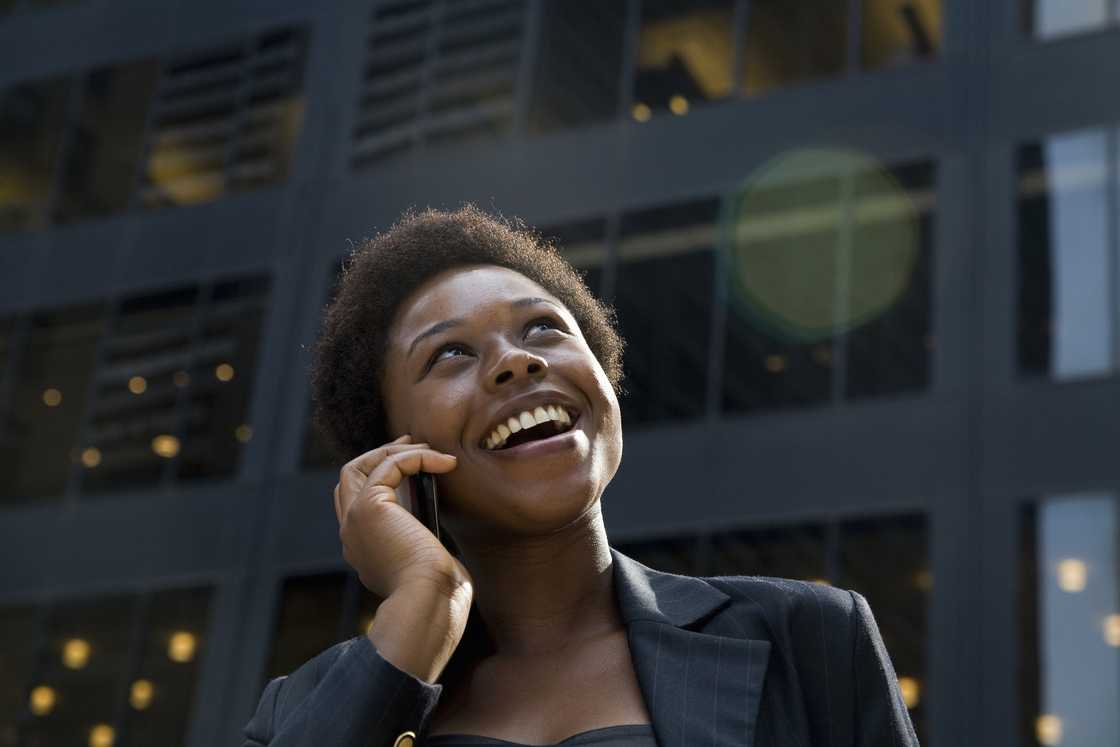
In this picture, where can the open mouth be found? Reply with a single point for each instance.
(540, 424)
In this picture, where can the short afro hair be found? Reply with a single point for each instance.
(381, 273)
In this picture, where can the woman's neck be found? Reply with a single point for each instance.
(540, 595)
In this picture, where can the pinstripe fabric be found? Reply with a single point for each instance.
(736, 660)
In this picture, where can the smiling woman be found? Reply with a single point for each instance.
(463, 346)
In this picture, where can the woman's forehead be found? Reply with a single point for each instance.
(461, 293)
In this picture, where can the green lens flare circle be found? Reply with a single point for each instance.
(818, 241)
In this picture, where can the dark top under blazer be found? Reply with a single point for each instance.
(733, 660)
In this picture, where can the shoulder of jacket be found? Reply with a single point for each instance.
(307, 675)
(789, 599)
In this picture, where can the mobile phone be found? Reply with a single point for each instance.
(424, 500)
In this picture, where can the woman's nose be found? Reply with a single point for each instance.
(517, 364)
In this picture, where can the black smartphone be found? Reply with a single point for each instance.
(424, 500)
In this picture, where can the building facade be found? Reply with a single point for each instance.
(866, 255)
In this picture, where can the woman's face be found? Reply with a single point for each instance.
(512, 342)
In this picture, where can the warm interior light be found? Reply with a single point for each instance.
(775, 363)
(165, 445)
(224, 372)
(42, 700)
(821, 581)
(1048, 729)
(52, 397)
(678, 104)
(75, 653)
(102, 735)
(641, 112)
(822, 355)
(243, 433)
(137, 385)
(923, 579)
(181, 647)
(140, 694)
(1072, 574)
(911, 691)
(181, 379)
(91, 457)
(1112, 630)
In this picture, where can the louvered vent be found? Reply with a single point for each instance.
(225, 120)
(436, 71)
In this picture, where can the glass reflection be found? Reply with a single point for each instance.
(1048, 19)
(1069, 589)
(311, 608)
(18, 628)
(663, 295)
(43, 417)
(793, 41)
(686, 55)
(896, 32)
(32, 123)
(666, 554)
(796, 552)
(576, 74)
(1068, 254)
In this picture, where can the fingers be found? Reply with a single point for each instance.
(377, 473)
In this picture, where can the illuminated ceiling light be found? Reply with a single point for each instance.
(243, 433)
(224, 372)
(42, 700)
(678, 104)
(822, 355)
(52, 397)
(911, 691)
(775, 363)
(137, 385)
(165, 445)
(102, 735)
(1112, 630)
(1048, 729)
(923, 579)
(181, 379)
(75, 653)
(91, 457)
(1072, 574)
(821, 581)
(140, 694)
(641, 112)
(181, 647)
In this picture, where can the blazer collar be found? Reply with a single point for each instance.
(700, 688)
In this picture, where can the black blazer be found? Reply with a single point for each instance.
(735, 660)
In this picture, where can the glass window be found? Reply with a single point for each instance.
(133, 424)
(223, 367)
(1069, 638)
(100, 166)
(161, 692)
(43, 418)
(576, 75)
(796, 551)
(309, 621)
(830, 256)
(32, 122)
(898, 592)
(899, 31)
(85, 666)
(224, 119)
(793, 41)
(1068, 255)
(316, 453)
(19, 626)
(663, 295)
(686, 55)
(1046, 19)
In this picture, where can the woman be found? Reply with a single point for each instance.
(466, 347)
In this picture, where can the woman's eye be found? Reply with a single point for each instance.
(446, 348)
(544, 321)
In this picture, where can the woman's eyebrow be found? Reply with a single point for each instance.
(438, 327)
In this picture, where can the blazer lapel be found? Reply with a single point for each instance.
(701, 689)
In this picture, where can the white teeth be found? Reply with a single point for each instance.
(526, 419)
